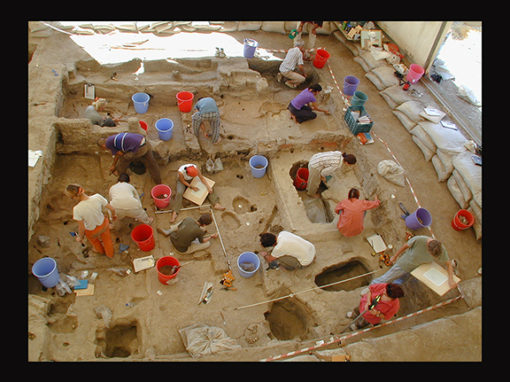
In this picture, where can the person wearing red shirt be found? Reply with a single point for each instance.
(350, 222)
(387, 306)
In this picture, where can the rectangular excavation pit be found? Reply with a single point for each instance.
(345, 271)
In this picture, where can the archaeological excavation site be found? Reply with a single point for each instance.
(129, 307)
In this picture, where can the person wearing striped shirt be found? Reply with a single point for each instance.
(127, 147)
(323, 164)
(293, 59)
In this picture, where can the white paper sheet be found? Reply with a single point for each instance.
(435, 276)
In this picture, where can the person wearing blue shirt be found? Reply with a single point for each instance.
(207, 111)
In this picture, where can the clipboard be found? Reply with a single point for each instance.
(434, 276)
(199, 196)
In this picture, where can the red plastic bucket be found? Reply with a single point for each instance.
(164, 267)
(414, 73)
(143, 236)
(321, 56)
(457, 223)
(185, 101)
(158, 195)
(301, 179)
(143, 125)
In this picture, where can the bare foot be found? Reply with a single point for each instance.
(219, 207)
(174, 216)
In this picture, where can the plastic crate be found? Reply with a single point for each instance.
(355, 127)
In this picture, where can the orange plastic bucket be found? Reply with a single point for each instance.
(320, 58)
(143, 236)
(161, 195)
(301, 179)
(164, 267)
(458, 225)
(185, 101)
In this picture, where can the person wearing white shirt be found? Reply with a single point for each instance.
(288, 249)
(126, 201)
(324, 164)
(293, 59)
(92, 223)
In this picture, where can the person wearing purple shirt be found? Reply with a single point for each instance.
(302, 105)
(128, 147)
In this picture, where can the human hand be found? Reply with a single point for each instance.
(194, 188)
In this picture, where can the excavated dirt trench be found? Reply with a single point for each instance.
(255, 120)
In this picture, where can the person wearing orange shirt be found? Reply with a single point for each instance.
(352, 212)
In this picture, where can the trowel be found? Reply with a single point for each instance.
(406, 213)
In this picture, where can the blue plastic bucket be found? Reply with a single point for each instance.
(249, 47)
(258, 165)
(350, 85)
(46, 271)
(248, 264)
(141, 102)
(420, 218)
(165, 128)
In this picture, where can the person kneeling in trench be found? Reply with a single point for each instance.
(288, 249)
(322, 165)
(187, 236)
(352, 212)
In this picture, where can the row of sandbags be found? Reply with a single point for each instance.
(172, 27)
(448, 150)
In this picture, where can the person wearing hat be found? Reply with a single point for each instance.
(185, 175)
(293, 59)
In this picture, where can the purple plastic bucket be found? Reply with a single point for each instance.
(420, 218)
(350, 85)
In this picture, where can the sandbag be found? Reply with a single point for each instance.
(201, 340)
(392, 172)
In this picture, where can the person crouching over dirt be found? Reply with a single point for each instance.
(187, 236)
(185, 175)
(126, 201)
(324, 164)
(287, 249)
(128, 147)
(92, 113)
(381, 301)
(92, 223)
(301, 107)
